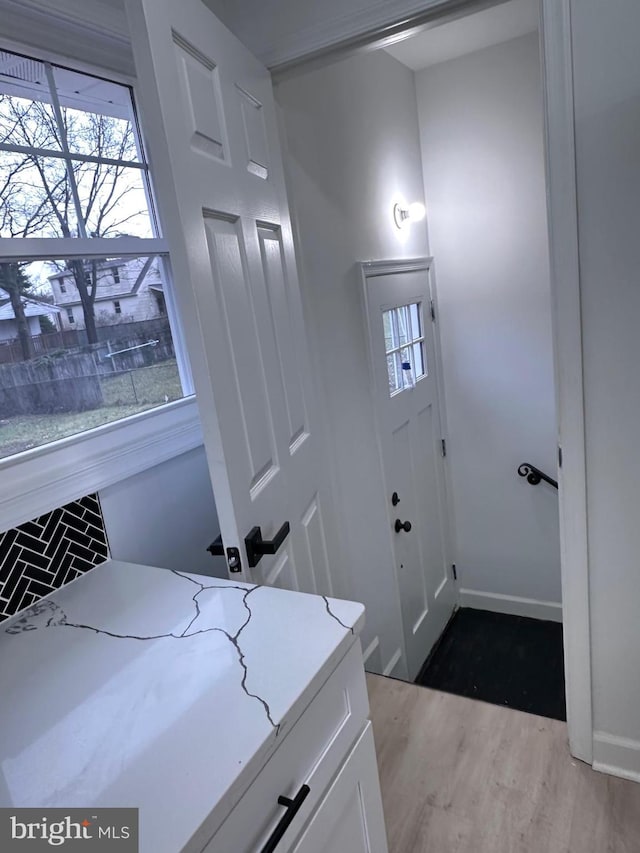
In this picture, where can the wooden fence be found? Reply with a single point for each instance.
(67, 374)
(50, 386)
(75, 339)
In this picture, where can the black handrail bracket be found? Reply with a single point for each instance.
(535, 475)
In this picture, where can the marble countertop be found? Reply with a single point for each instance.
(163, 690)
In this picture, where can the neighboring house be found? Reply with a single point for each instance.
(129, 290)
(33, 309)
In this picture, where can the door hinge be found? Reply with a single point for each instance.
(444, 447)
(433, 310)
(454, 571)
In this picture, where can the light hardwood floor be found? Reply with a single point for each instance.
(461, 776)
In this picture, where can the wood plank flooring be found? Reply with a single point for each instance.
(462, 776)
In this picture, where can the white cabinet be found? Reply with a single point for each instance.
(349, 818)
(330, 750)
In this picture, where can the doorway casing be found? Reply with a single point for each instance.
(556, 56)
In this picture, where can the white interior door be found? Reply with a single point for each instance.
(408, 409)
(208, 119)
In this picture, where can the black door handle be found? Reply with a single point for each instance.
(257, 547)
(216, 549)
(402, 525)
(293, 807)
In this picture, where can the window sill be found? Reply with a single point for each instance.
(39, 480)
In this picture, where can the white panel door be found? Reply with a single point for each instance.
(408, 402)
(349, 819)
(209, 122)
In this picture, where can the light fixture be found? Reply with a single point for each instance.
(404, 215)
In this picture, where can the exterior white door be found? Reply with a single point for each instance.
(208, 119)
(398, 298)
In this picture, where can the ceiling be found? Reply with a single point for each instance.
(465, 35)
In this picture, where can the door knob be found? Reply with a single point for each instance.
(257, 547)
(402, 525)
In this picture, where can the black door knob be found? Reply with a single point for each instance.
(402, 525)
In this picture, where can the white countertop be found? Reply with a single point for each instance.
(137, 686)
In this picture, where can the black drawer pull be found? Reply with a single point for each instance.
(293, 807)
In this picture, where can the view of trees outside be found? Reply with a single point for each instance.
(70, 167)
(16, 283)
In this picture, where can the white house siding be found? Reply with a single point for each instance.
(9, 329)
(132, 309)
(142, 305)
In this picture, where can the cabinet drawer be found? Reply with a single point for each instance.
(349, 819)
(310, 754)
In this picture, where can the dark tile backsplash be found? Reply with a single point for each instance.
(49, 552)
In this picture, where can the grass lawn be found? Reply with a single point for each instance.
(145, 386)
(124, 395)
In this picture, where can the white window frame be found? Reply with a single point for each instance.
(36, 481)
(409, 344)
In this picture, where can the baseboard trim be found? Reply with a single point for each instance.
(371, 657)
(395, 659)
(550, 611)
(617, 756)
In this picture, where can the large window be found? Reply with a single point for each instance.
(84, 337)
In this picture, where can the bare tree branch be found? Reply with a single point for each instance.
(37, 192)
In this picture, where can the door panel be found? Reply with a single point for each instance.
(408, 415)
(316, 545)
(283, 323)
(413, 585)
(234, 307)
(282, 573)
(208, 117)
(255, 135)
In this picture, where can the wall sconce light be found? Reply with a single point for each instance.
(405, 215)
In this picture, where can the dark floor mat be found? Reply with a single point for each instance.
(505, 660)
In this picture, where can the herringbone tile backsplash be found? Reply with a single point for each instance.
(49, 552)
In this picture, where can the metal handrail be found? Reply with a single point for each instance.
(535, 475)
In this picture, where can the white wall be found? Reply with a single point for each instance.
(165, 516)
(481, 123)
(607, 113)
(353, 145)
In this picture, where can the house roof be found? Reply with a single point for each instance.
(32, 307)
(103, 264)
